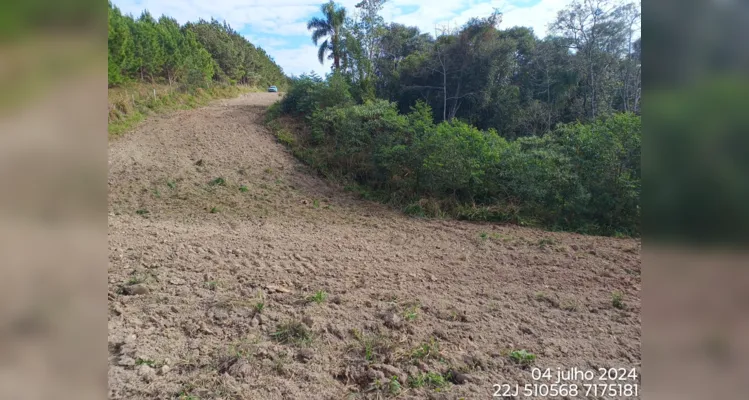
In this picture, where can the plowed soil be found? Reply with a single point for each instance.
(236, 273)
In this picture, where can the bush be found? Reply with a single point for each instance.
(605, 157)
(581, 177)
(455, 159)
(354, 132)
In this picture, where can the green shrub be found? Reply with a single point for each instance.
(580, 177)
(274, 111)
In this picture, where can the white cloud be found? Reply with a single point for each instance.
(267, 42)
(300, 60)
(537, 17)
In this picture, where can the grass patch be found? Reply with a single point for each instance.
(211, 285)
(429, 379)
(319, 297)
(426, 351)
(143, 361)
(135, 280)
(414, 210)
(293, 332)
(131, 103)
(285, 137)
(186, 396)
(244, 189)
(522, 357)
(374, 348)
(617, 301)
(217, 182)
(411, 313)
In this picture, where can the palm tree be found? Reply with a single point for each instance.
(330, 26)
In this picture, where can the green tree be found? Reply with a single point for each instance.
(174, 45)
(120, 46)
(330, 26)
(371, 25)
(149, 53)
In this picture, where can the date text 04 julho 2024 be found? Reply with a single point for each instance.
(601, 383)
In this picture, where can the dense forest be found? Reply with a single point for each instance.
(192, 55)
(481, 122)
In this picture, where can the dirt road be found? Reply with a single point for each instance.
(234, 273)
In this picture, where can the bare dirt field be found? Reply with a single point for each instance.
(235, 273)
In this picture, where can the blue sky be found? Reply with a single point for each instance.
(281, 29)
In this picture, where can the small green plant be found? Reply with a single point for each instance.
(316, 203)
(373, 347)
(217, 182)
(285, 137)
(183, 395)
(292, 332)
(431, 379)
(259, 307)
(171, 184)
(142, 211)
(617, 300)
(156, 193)
(522, 357)
(134, 280)
(268, 170)
(415, 210)
(211, 285)
(394, 387)
(483, 235)
(243, 189)
(426, 350)
(319, 296)
(411, 313)
(214, 210)
(143, 361)
(369, 353)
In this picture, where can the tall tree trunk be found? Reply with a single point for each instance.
(548, 100)
(336, 49)
(456, 104)
(444, 95)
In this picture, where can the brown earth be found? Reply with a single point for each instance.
(192, 257)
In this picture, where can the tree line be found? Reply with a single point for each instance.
(481, 123)
(507, 79)
(194, 54)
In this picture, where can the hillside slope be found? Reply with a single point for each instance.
(221, 245)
